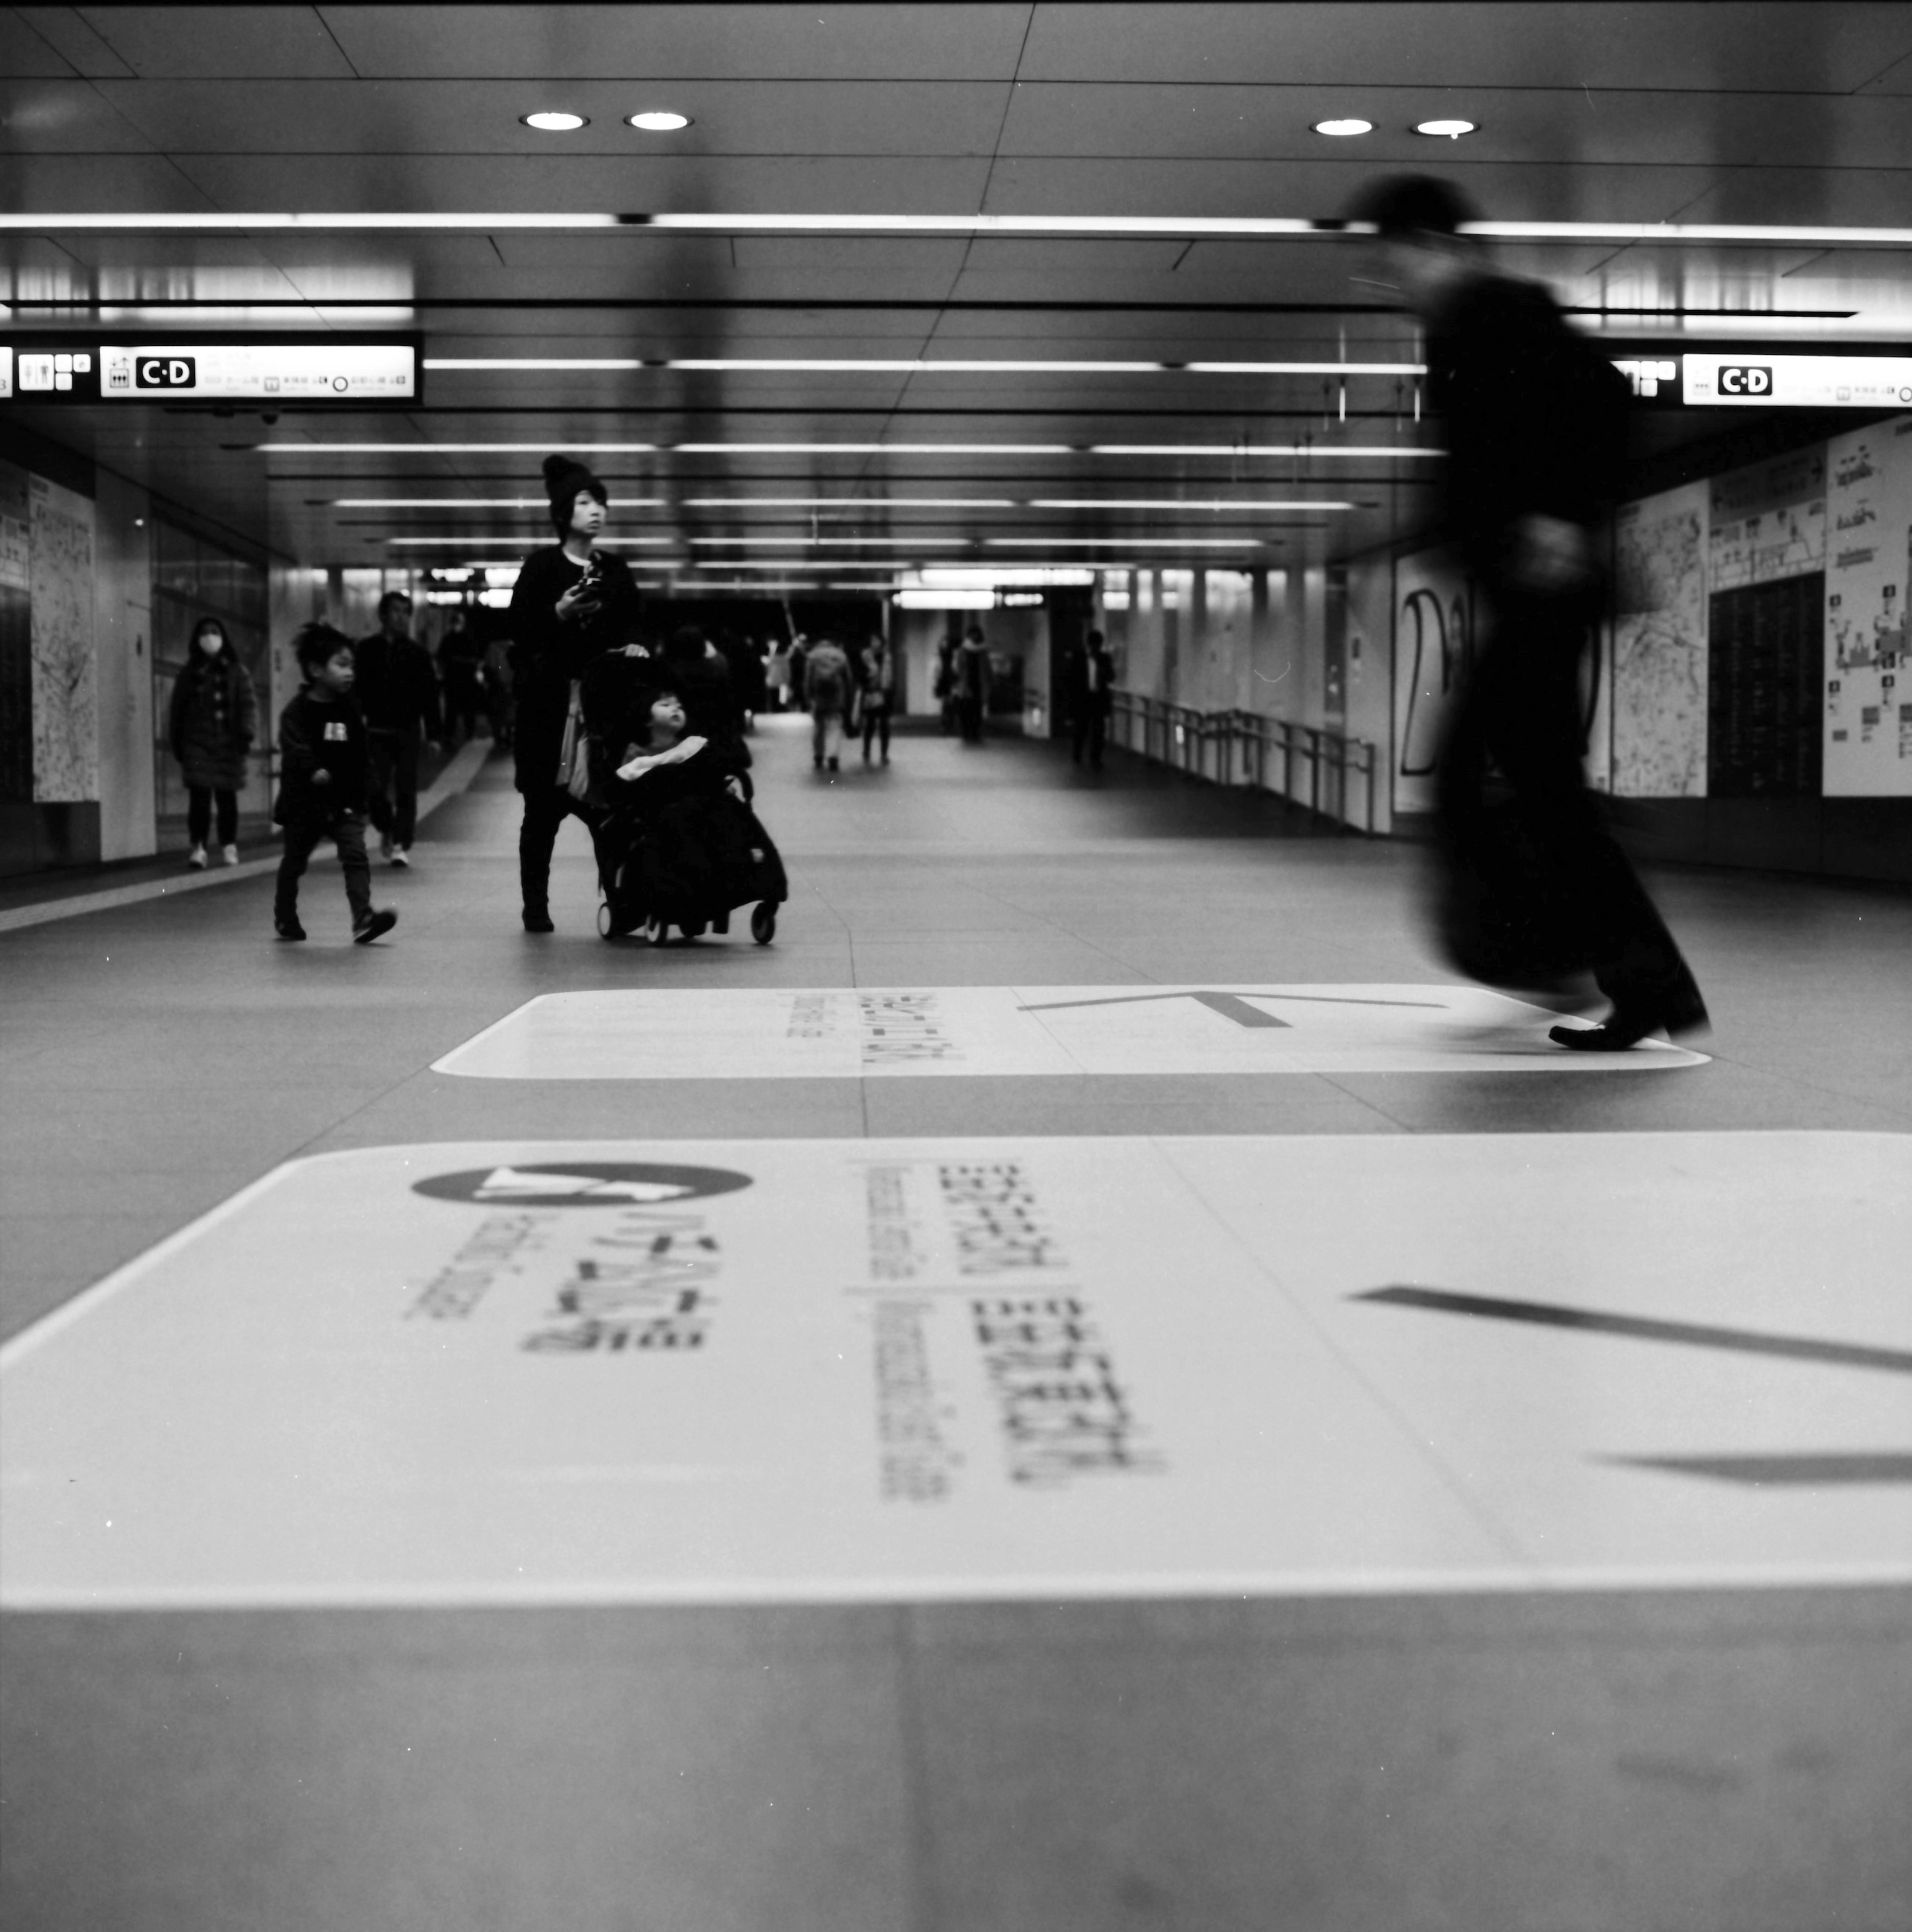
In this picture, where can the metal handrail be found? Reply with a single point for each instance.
(1236, 748)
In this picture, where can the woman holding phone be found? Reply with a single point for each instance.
(571, 603)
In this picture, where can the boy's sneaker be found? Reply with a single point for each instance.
(195, 859)
(401, 855)
(230, 853)
(288, 928)
(372, 925)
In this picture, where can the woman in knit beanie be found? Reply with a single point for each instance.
(571, 603)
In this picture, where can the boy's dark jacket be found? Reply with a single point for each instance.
(318, 735)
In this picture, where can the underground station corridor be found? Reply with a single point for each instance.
(1057, 1361)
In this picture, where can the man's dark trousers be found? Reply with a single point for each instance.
(1520, 713)
(394, 758)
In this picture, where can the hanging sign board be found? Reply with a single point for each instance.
(268, 369)
(1751, 379)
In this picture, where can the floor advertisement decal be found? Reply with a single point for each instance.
(836, 1370)
(879, 1032)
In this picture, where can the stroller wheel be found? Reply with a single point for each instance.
(606, 929)
(693, 930)
(764, 923)
(654, 930)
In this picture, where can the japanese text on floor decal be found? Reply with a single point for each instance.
(956, 1032)
(911, 1369)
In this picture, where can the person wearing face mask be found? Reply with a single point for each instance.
(210, 725)
(572, 602)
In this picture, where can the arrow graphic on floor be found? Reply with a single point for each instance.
(1231, 1006)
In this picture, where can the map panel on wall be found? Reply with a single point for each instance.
(1767, 648)
(1434, 607)
(1869, 696)
(1658, 688)
(1767, 521)
(66, 739)
(16, 635)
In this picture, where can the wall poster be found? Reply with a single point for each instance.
(1658, 687)
(66, 738)
(16, 635)
(1869, 696)
(1434, 641)
(1766, 627)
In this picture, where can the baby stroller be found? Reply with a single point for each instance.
(688, 862)
(675, 848)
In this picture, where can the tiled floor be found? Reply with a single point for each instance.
(1556, 1758)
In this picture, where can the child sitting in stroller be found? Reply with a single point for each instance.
(679, 845)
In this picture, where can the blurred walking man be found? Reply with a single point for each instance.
(1535, 420)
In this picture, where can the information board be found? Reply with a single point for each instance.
(1753, 379)
(1763, 680)
(354, 369)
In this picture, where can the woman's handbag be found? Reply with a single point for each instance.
(573, 761)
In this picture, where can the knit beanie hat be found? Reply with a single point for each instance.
(564, 477)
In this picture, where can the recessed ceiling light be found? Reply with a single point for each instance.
(1340, 128)
(1451, 130)
(555, 123)
(660, 123)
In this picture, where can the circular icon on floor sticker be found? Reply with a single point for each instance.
(580, 1183)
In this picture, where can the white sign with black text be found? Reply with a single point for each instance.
(879, 1032)
(831, 1370)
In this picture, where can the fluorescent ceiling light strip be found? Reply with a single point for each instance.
(1173, 503)
(1127, 543)
(1194, 227)
(849, 449)
(870, 504)
(517, 542)
(770, 542)
(876, 365)
(479, 503)
(1362, 450)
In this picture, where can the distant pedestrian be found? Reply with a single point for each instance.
(876, 691)
(776, 676)
(212, 721)
(827, 689)
(461, 670)
(1088, 686)
(1535, 419)
(971, 673)
(571, 603)
(944, 688)
(324, 778)
(498, 700)
(397, 690)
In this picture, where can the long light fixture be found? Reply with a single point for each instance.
(850, 543)
(850, 502)
(1378, 451)
(1169, 226)
(880, 365)
(479, 503)
(517, 542)
(1176, 503)
(1127, 543)
(945, 600)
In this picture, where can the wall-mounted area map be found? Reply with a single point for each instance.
(1658, 693)
(1868, 695)
(66, 736)
(1767, 521)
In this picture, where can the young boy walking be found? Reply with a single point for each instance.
(323, 776)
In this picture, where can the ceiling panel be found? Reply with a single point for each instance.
(812, 43)
(256, 42)
(63, 29)
(27, 55)
(535, 184)
(1629, 127)
(482, 117)
(64, 116)
(1768, 44)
